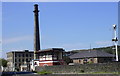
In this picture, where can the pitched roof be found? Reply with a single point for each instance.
(93, 53)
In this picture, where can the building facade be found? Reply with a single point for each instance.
(19, 59)
(94, 56)
(49, 57)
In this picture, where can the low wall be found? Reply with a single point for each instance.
(82, 68)
(71, 75)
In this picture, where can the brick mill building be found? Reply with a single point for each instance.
(19, 60)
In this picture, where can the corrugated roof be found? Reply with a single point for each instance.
(93, 53)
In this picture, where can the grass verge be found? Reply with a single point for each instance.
(44, 72)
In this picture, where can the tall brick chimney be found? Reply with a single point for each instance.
(36, 32)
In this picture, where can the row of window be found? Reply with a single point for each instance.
(23, 60)
(18, 64)
(24, 55)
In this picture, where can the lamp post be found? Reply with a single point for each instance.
(115, 40)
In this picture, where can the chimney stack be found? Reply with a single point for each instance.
(36, 32)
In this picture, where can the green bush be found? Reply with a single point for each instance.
(82, 71)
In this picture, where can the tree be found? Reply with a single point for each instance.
(3, 62)
(67, 59)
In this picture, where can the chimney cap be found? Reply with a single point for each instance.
(36, 5)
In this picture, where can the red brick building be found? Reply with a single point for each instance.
(49, 57)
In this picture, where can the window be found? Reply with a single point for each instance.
(91, 60)
(23, 55)
(19, 55)
(19, 60)
(30, 55)
(26, 60)
(26, 55)
(22, 60)
(19, 65)
(15, 64)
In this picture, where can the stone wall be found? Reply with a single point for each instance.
(82, 68)
(70, 75)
